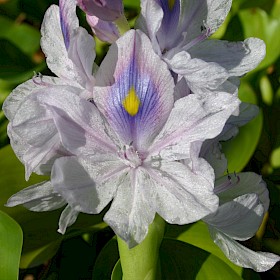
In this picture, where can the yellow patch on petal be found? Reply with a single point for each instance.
(131, 102)
(171, 4)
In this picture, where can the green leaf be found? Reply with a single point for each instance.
(11, 242)
(197, 235)
(23, 36)
(240, 149)
(179, 260)
(257, 23)
(15, 66)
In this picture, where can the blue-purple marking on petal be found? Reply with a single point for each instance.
(134, 128)
(64, 24)
(168, 36)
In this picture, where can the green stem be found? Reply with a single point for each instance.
(122, 24)
(142, 261)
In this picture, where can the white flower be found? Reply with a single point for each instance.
(126, 146)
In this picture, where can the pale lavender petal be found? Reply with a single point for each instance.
(245, 182)
(211, 150)
(81, 52)
(39, 197)
(87, 185)
(217, 12)
(57, 56)
(104, 30)
(33, 124)
(150, 21)
(136, 90)
(237, 58)
(68, 19)
(132, 209)
(21, 92)
(242, 256)
(240, 218)
(67, 218)
(82, 129)
(181, 195)
(247, 112)
(107, 10)
(198, 73)
(192, 119)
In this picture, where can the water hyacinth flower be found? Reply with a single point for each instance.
(106, 10)
(179, 31)
(69, 54)
(126, 146)
(243, 203)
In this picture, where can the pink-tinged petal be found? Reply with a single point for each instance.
(180, 195)
(245, 182)
(38, 198)
(67, 218)
(104, 30)
(58, 59)
(68, 19)
(87, 185)
(82, 129)
(136, 89)
(237, 58)
(192, 119)
(198, 73)
(107, 10)
(132, 210)
(242, 256)
(240, 218)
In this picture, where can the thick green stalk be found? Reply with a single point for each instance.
(122, 24)
(142, 261)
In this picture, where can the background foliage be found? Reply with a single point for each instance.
(89, 249)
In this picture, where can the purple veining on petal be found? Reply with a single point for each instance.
(65, 27)
(132, 128)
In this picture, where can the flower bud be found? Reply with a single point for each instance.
(107, 10)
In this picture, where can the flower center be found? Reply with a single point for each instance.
(130, 156)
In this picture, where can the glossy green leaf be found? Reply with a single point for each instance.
(117, 272)
(240, 149)
(15, 66)
(10, 247)
(197, 234)
(183, 261)
(23, 36)
(257, 23)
